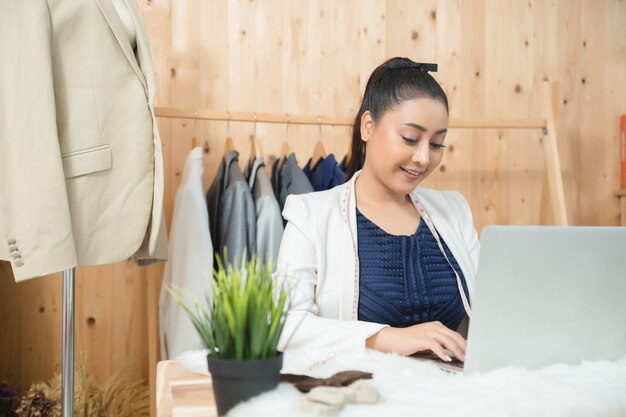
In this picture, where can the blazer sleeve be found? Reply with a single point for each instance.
(297, 269)
(35, 223)
(468, 231)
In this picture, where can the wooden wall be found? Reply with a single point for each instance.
(314, 57)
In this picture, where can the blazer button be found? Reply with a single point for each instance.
(19, 262)
(16, 255)
(13, 248)
(11, 241)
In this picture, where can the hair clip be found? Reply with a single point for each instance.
(397, 63)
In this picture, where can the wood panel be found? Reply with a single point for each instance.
(314, 57)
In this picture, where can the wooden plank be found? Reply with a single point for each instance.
(183, 393)
(447, 18)
(31, 329)
(157, 18)
(595, 162)
(614, 103)
(553, 164)
(299, 50)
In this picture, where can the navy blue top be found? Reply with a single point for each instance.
(326, 174)
(406, 280)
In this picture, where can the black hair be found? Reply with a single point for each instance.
(394, 81)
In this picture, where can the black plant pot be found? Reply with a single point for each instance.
(236, 381)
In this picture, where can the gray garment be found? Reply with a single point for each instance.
(269, 222)
(231, 212)
(292, 180)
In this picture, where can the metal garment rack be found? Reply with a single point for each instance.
(67, 381)
(553, 196)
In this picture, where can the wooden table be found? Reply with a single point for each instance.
(621, 194)
(181, 393)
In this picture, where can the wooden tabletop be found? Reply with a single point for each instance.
(181, 393)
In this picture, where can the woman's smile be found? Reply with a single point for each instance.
(412, 174)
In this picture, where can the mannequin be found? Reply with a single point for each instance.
(82, 176)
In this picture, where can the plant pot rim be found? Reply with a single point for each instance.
(218, 360)
(232, 368)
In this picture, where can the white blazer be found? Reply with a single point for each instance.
(190, 263)
(318, 259)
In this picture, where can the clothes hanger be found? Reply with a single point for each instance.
(286, 149)
(194, 138)
(255, 148)
(320, 151)
(255, 145)
(229, 145)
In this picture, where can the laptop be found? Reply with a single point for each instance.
(546, 295)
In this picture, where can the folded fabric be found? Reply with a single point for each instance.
(305, 383)
(325, 400)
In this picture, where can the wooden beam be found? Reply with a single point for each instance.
(315, 120)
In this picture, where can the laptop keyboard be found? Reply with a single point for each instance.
(432, 357)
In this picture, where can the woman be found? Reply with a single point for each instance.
(378, 262)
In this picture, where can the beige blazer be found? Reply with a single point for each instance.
(81, 169)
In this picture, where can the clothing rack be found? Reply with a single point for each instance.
(553, 195)
(204, 114)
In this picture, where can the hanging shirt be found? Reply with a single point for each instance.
(326, 174)
(269, 222)
(190, 263)
(289, 180)
(406, 280)
(231, 208)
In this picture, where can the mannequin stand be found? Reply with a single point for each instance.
(67, 382)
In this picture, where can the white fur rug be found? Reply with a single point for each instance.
(413, 388)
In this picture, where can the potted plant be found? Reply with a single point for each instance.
(240, 330)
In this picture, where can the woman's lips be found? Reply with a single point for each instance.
(411, 173)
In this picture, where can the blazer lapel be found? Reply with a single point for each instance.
(450, 237)
(350, 290)
(113, 19)
(143, 48)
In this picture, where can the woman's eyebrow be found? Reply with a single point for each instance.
(423, 129)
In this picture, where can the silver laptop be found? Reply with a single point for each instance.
(547, 295)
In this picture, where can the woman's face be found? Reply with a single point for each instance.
(406, 144)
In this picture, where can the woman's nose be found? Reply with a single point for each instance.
(421, 155)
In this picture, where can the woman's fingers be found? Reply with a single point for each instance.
(451, 344)
(438, 350)
(460, 340)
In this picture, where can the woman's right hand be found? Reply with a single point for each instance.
(432, 336)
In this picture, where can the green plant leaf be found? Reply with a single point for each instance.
(248, 313)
